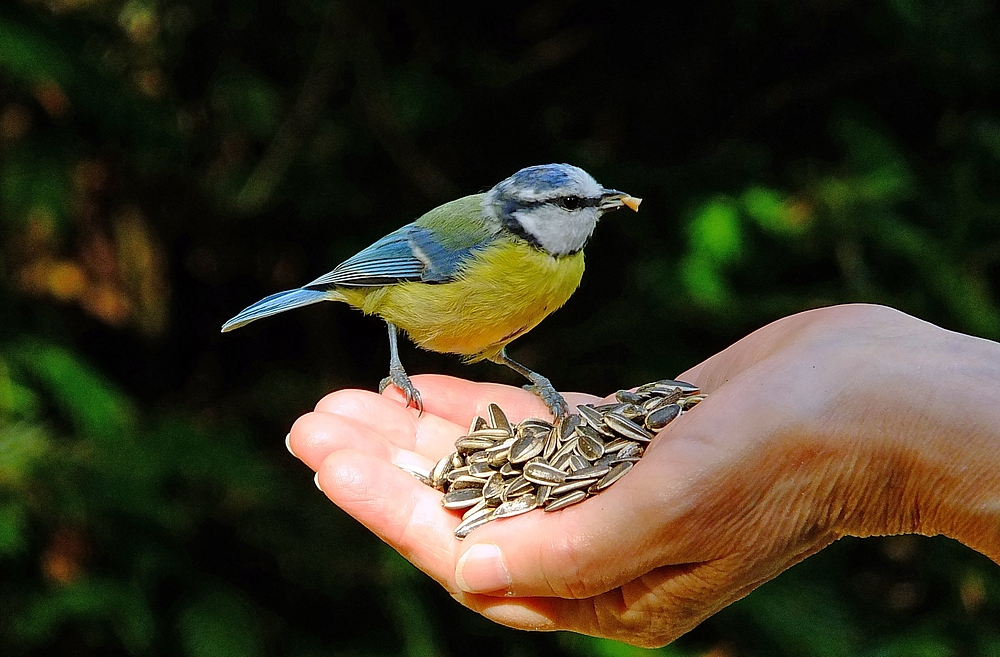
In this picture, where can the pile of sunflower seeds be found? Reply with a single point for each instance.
(499, 470)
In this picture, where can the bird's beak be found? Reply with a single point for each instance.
(612, 199)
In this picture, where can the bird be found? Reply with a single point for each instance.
(471, 275)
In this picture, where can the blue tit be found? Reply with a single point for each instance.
(473, 274)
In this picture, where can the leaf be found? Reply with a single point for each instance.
(89, 401)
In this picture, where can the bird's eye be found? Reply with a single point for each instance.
(570, 202)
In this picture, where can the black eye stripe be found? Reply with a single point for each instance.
(582, 202)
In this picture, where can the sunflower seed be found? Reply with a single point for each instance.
(543, 474)
(470, 444)
(495, 434)
(563, 462)
(632, 411)
(656, 403)
(508, 470)
(591, 415)
(473, 510)
(417, 472)
(551, 444)
(527, 447)
(440, 471)
(569, 486)
(461, 499)
(493, 489)
(566, 500)
(567, 447)
(466, 526)
(686, 388)
(627, 427)
(568, 426)
(477, 424)
(661, 417)
(455, 473)
(688, 402)
(628, 397)
(614, 475)
(591, 446)
(498, 454)
(515, 488)
(477, 457)
(617, 445)
(480, 469)
(515, 507)
(631, 453)
(590, 472)
(577, 462)
(498, 419)
(468, 481)
(536, 423)
(607, 459)
(542, 494)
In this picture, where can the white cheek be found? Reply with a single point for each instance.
(558, 231)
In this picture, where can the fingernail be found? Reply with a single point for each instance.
(316, 481)
(288, 444)
(482, 570)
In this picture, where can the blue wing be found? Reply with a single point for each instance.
(389, 260)
(412, 253)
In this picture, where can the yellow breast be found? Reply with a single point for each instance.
(503, 293)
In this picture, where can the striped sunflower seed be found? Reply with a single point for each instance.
(543, 474)
(554, 504)
(661, 417)
(627, 427)
(462, 498)
(498, 419)
(468, 524)
(515, 507)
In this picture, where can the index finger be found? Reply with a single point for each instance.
(459, 400)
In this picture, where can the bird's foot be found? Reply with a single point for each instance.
(399, 378)
(542, 387)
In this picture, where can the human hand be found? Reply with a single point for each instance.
(790, 450)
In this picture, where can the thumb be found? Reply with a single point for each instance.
(576, 552)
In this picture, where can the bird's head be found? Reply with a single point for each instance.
(553, 206)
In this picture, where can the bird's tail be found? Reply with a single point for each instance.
(277, 303)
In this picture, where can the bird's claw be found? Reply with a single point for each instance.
(402, 381)
(552, 399)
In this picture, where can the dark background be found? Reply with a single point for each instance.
(165, 163)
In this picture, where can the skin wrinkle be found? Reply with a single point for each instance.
(569, 581)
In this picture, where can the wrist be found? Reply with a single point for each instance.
(928, 442)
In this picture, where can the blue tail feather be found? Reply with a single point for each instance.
(274, 304)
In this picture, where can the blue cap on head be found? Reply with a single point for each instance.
(544, 177)
(547, 181)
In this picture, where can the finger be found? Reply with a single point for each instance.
(459, 400)
(651, 610)
(403, 512)
(427, 434)
(314, 436)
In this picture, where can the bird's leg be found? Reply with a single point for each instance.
(540, 385)
(397, 375)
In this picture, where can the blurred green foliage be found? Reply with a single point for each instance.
(163, 163)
